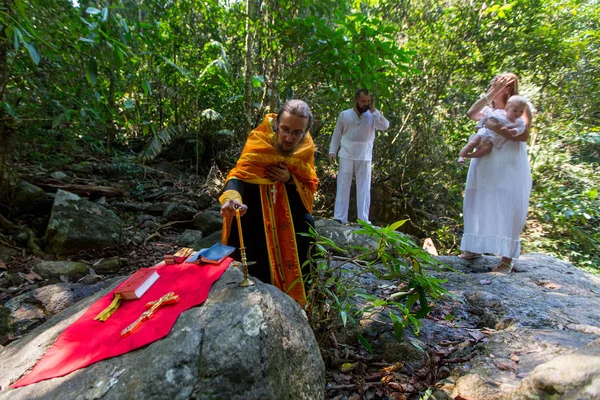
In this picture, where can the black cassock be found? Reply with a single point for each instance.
(253, 228)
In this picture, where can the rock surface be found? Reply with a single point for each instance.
(78, 225)
(530, 334)
(179, 212)
(31, 308)
(29, 198)
(242, 343)
(209, 221)
(344, 237)
(54, 269)
(189, 237)
(535, 332)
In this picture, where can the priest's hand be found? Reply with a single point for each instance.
(278, 172)
(228, 208)
(332, 157)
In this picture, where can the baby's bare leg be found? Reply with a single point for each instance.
(470, 146)
(481, 150)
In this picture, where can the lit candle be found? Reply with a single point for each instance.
(239, 223)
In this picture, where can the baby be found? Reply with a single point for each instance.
(511, 118)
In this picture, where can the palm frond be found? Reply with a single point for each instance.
(162, 139)
(211, 115)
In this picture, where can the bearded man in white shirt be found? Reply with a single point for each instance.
(353, 136)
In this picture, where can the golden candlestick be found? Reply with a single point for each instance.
(246, 281)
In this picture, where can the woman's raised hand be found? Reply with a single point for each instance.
(498, 85)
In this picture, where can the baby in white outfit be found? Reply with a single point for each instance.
(486, 139)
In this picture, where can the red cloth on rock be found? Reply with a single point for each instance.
(87, 341)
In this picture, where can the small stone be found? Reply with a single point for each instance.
(54, 269)
(107, 265)
(59, 176)
(443, 372)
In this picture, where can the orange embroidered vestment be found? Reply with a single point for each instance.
(277, 210)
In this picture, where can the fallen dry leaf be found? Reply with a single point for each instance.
(476, 334)
(3, 266)
(506, 365)
(342, 378)
(395, 367)
(375, 376)
(429, 247)
(449, 342)
(33, 276)
(548, 284)
(395, 386)
(515, 357)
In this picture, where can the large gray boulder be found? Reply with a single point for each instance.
(189, 237)
(27, 310)
(179, 212)
(78, 225)
(207, 241)
(571, 376)
(344, 237)
(242, 343)
(29, 198)
(208, 221)
(530, 334)
(533, 334)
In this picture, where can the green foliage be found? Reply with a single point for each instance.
(335, 300)
(458, 49)
(569, 215)
(161, 139)
(349, 51)
(112, 73)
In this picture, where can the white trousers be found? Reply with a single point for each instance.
(362, 171)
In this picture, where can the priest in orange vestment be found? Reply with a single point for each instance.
(273, 184)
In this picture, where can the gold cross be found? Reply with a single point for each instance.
(153, 306)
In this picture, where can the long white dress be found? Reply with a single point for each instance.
(496, 201)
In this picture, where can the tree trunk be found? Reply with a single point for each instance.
(176, 80)
(6, 120)
(248, 66)
(275, 63)
(111, 132)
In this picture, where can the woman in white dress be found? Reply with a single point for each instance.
(498, 184)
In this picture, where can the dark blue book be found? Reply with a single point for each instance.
(215, 254)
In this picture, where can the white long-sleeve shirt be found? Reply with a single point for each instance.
(354, 136)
